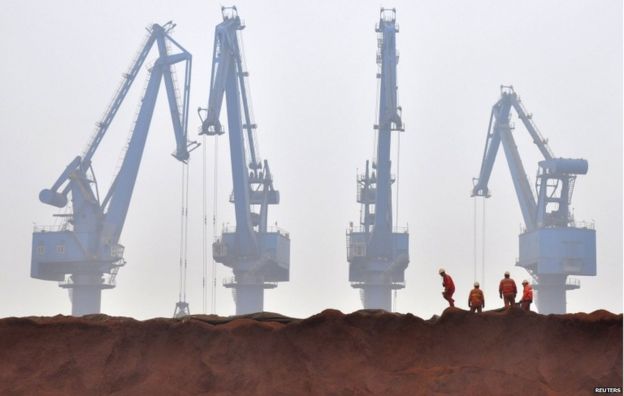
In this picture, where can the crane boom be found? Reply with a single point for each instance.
(389, 120)
(85, 253)
(226, 82)
(117, 100)
(499, 131)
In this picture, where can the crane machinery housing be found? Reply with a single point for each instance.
(84, 253)
(553, 246)
(258, 255)
(378, 254)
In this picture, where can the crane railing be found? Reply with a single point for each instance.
(359, 229)
(52, 228)
(230, 229)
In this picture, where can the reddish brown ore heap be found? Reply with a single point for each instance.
(366, 352)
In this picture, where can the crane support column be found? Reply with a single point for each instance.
(86, 294)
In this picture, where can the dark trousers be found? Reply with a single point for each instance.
(510, 300)
(475, 308)
(448, 296)
(525, 305)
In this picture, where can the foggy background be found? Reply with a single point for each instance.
(313, 87)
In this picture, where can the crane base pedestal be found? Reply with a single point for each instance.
(377, 296)
(249, 297)
(86, 300)
(551, 293)
(85, 293)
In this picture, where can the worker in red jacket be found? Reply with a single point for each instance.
(527, 296)
(507, 290)
(449, 287)
(476, 300)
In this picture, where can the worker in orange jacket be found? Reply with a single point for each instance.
(476, 300)
(527, 296)
(507, 290)
(449, 287)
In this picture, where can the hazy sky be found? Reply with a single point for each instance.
(312, 73)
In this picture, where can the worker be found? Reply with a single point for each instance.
(507, 290)
(476, 300)
(449, 287)
(527, 296)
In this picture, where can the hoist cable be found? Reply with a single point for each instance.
(483, 245)
(397, 177)
(204, 230)
(474, 235)
(215, 207)
(186, 210)
(181, 233)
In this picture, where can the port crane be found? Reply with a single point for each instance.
(258, 255)
(378, 253)
(84, 253)
(552, 246)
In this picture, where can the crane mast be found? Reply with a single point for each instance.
(552, 247)
(378, 255)
(258, 256)
(84, 253)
